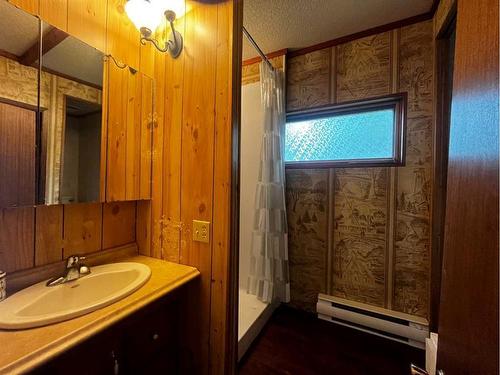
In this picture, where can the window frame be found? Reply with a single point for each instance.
(398, 102)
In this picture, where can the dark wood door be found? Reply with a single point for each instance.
(17, 156)
(468, 319)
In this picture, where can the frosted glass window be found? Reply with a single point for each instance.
(369, 136)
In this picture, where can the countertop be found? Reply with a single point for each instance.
(23, 350)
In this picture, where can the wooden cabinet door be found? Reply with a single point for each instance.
(468, 318)
(17, 156)
(129, 134)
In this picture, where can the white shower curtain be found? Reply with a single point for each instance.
(269, 275)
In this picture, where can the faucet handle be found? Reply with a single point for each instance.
(74, 260)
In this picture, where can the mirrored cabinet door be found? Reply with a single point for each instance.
(72, 118)
(75, 125)
(129, 133)
(19, 125)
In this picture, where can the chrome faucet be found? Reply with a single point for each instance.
(74, 270)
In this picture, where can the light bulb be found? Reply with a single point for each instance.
(144, 13)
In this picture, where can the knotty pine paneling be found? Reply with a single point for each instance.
(117, 133)
(38, 236)
(374, 255)
(30, 6)
(118, 224)
(49, 234)
(223, 166)
(87, 21)
(17, 236)
(198, 127)
(129, 134)
(58, 19)
(191, 111)
(82, 228)
(158, 249)
(122, 37)
(172, 156)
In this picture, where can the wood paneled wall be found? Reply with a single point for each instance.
(364, 233)
(38, 236)
(191, 151)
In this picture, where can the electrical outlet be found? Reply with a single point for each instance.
(201, 231)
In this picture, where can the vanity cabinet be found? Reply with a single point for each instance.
(146, 342)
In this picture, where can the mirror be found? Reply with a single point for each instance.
(19, 125)
(71, 119)
(50, 113)
(51, 108)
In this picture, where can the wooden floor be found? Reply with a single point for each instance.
(297, 343)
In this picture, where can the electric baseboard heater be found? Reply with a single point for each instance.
(390, 324)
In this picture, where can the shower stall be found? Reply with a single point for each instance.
(252, 313)
(263, 267)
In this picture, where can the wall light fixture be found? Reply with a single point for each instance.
(147, 16)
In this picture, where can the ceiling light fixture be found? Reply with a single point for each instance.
(147, 16)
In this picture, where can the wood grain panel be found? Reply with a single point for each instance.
(359, 234)
(55, 12)
(87, 22)
(442, 16)
(17, 238)
(103, 184)
(82, 228)
(308, 80)
(143, 227)
(363, 68)
(157, 193)
(133, 124)
(414, 188)
(117, 133)
(198, 156)
(307, 215)
(219, 310)
(172, 145)
(145, 141)
(118, 224)
(147, 58)
(30, 6)
(129, 134)
(122, 37)
(17, 156)
(468, 318)
(48, 234)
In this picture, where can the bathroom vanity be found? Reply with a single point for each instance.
(141, 333)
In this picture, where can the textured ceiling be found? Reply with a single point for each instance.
(278, 24)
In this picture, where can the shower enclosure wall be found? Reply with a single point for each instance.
(253, 314)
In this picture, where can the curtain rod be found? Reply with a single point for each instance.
(255, 45)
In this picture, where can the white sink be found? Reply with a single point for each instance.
(40, 305)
